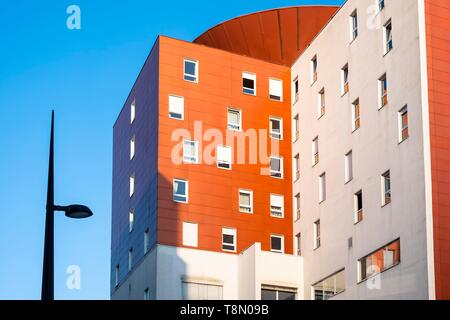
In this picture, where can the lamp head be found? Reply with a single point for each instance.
(78, 212)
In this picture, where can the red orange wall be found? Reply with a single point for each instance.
(437, 14)
(213, 193)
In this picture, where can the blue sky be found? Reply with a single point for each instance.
(85, 75)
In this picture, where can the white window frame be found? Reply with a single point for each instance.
(385, 200)
(295, 90)
(356, 119)
(273, 134)
(298, 244)
(189, 75)
(322, 106)
(252, 77)
(359, 213)
(174, 108)
(131, 220)
(225, 164)
(276, 211)
(296, 167)
(383, 92)
(388, 39)
(282, 243)
(132, 147)
(185, 195)
(188, 158)
(273, 173)
(401, 128)
(274, 85)
(190, 234)
(232, 126)
(322, 187)
(132, 185)
(242, 207)
(315, 152)
(314, 71)
(348, 166)
(354, 30)
(296, 128)
(230, 232)
(326, 280)
(133, 111)
(317, 242)
(297, 208)
(345, 82)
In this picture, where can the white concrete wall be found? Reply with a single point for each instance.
(375, 150)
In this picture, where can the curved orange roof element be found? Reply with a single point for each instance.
(278, 35)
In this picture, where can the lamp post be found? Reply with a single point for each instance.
(72, 211)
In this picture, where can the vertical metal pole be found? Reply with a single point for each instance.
(47, 293)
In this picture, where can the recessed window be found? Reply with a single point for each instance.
(317, 234)
(130, 259)
(403, 124)
(133, 111)
(344, 79)
(298, 244)
(356, 115)
(131, 185)
(277, 243)
(277, 206)
(379, 261)
(224, 157)
(381, 5)
(353, 25)
(314, 70)
(329, 287)
(276, 89)
(276, 128)
(234, 120)
(249, 83)
(386, 188)
(146, 240)
(180, 191)
(358, 200)
(190, 70)
(117, 276)
(348, 167)
(190, 234)
(269, 293)
(276, 167)
(321, 105)
(322, 188)
(297, 210)
(131, 220)
(229, 239)
(132, 147)
(296, 167)
(146, 294)
(296, 88)
(315, 151)
(296, 128)
(190, 151)
(383, 91)
(388, 44)
(245, 201)
(176, 107)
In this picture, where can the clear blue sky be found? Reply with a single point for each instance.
(85, 75)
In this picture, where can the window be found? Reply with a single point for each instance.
(130, 259)
(272, 293)
(297, 206)
(276, 128)
(276, 89)
(277, 243)
(245, 201)
(329, 287)
(146, 240)
(190, 151)
(229, 239)
(344, 78)
(298, 244)
(190, 70)
(180, 191)
(403, 124)
(383, 91)
(380, 5)
(315, 151)
(249, 83)
(356, 116)
(353, 25)
(117, 276)
(322, 188)
(190, 234)
(296, 128)
(359, 214)
(132, 147)
(317, 234)
(388, 45)
(296, 89)
(276, 167)
(176, 107)
(234, 120)
(224, 157)
(132, 111)
(296, 166)
(130, 220)
(379, 261)
(314, 70)
(146, 294)
(202, 291)
(322, 107)
(131, 185)
(277, 206)
(349, 167)
(386, 188)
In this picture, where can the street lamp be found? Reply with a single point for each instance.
(72, 211)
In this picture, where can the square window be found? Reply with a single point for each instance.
(190, 70)
(176, 107)
(249, 83)
(190, 234)
(277, 243)
(190, 151)
(276, 89)
(229, 239)
(234, 120)
(224, 157)
(276, 206)
(245, 201)
(276, 128)
(180, 191)
(276, 167)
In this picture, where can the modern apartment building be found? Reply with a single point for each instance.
(295, 153)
